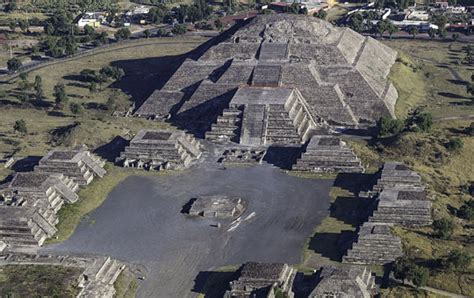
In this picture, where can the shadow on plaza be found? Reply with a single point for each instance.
(283, 157)
(355, 182)
(213, 284)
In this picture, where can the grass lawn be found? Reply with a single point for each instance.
(144, 64)
(39, 281)
(335, 13)
(421, 80)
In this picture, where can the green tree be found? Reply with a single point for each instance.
(457, 260)
(443, 228)
(432, 33)
(113, 72)
(20, 126)
(93, 87)
(60, 96)
(381, 27)
(419, 276)
(454, 144)
(467, 210)
(442, 33)
(161, 32)
(218, 23)
(440, 21)
(455, 36)
(413, 32)
(23, 97)
(388, 126)
(111, 103)
(179, 29)
(12, 25)
(322, 14)
(122, 33)
(423, 120)
(88, 75)
(76, 108)
(147, 33)
(392, 29)
(10, 6)
(470, 89)
(14, 64)
(24, 25)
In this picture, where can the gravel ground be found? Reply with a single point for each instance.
(141, 222)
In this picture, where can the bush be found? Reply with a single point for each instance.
(179, 29)
(470, 129)
(14, 64)
(76, 108)
(20, 126)
(454, 144)
(458, 260)
(406, 269)
(122, 33)
(388, 126)
(467, 210)
(443, 228)
(423, 121)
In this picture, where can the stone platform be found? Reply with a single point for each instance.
(98, 277)
(160, 149)
(78, 164)
(375, 244)
(346, 281)
(326, 153)
(261, 279)
(217, 206)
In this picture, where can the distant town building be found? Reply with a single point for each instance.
(93, 19)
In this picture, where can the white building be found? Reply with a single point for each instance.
(93, 19)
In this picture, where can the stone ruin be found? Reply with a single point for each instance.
(78, 164)
(326, 153)
(375, 244)
(399, 199)
(160, 149)
(409, 208)
(261, 280)
(98, 277)
(243, 156)
(277, 80)
(397, 174)
(217, 206)
(28, 207)
(346, 281)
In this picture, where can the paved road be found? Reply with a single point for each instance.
(140, 222)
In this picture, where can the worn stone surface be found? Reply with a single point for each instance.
(339, 75)
(160, 149)
(325, 153)
(217, 206)
(79, 164)
(262, 278)
(346, 281)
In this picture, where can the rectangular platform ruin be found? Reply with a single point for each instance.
(28, 207)
(346, 281)
(375, 244)
(160, 149)
(217, 206)
(78, 164)
(409, 208)
(328, 154)
(262, 278)
(98, 277)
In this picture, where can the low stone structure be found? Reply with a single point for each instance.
(217, 206)
(409, 208)
(160, 149)
(347, 281)
(262, 280)
(375, 244)
(97, 280)
(397, 174)
(326, 153)
(78, 164)
(241, 155)
(28, 207)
